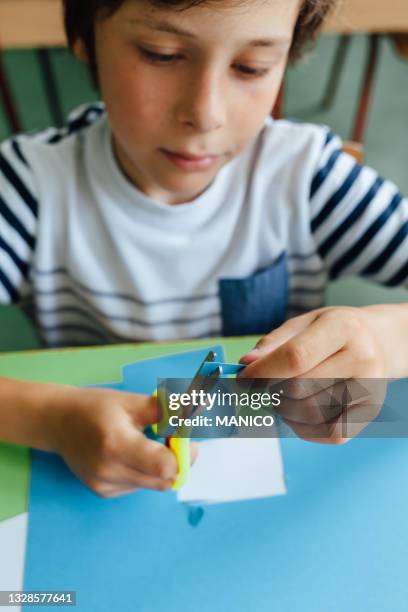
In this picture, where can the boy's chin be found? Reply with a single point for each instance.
(185, 188)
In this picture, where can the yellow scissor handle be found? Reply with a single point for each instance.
(181, 450)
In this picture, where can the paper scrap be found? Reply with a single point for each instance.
(234, 469)
(13, 534)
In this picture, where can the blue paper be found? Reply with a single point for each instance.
(337, 542)
(144, 376)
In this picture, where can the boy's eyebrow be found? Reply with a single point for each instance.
(164, 26)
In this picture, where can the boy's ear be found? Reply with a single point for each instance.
(80, 51)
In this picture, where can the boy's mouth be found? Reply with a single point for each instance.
(187, 161)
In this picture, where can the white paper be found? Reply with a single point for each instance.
(234, 469)
(13, 534)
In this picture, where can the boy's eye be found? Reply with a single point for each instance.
(163, 58)
(257, 72)
(158, 57)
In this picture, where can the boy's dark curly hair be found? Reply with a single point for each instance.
(80, 15)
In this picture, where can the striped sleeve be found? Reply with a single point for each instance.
(18, 220)
(359, 221)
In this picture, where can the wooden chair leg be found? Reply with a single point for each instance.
(50, 86)
(366, 91)
(401, 43)
(339, 60)
(7, 99)
(355, 149)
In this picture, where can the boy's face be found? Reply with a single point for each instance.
(203, 90)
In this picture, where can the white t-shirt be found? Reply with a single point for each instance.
(92, 259)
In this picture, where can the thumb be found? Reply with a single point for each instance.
(143, 409)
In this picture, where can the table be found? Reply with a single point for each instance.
(336, 542)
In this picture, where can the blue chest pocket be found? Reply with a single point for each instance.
(256, 304)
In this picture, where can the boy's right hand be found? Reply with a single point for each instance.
(99, 434)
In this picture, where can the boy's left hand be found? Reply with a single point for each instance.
(338, 344)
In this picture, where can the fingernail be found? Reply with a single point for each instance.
(169, 470)
(253, 354)
(168, 474)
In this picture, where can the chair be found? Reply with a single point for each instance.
(49, 84)
(31, 24)
(377, 19)
(401, 44)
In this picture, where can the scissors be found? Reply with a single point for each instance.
(205, 378)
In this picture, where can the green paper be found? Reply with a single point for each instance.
(79, 366)
(14, 478)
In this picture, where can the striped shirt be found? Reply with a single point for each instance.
(92, 259)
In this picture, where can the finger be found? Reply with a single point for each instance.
(121, 476)
(342, 364)
(279, 336)
(295, 388)
(111, 492)
(108, 491)
(144, 410)
(347, 425)
(118, 492)
(148, 456)
(310, 400)
(302, 353)
(314, 409)
(124, 475)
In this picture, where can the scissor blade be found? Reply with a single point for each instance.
(198, 376)
(202, 382)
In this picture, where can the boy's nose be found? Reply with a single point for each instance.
(202, 103)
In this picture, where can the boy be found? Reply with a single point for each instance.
(185, 211)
